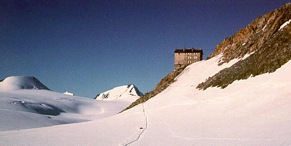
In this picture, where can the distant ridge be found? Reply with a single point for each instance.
(21, 82)
(125, 92)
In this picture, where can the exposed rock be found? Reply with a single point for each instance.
(161, 86)
(265, 38)
(268, 38)
(254, 36)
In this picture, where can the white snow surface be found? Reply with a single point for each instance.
(255, 111)
(68, 93)
(21, 82)
(285, 24)
(128, 93)
(24, 106)
(25, 109)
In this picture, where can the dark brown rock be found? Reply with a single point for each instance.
(270, 47)
(253, 36)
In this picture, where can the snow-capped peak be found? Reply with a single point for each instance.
(21, 82)
(127, 92)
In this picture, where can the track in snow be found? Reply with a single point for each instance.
(143, 128)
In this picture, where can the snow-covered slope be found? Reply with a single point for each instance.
(255, 111)
(23, 106)
(120, 97)
(21, 82)
(22, 109)
(127, 92)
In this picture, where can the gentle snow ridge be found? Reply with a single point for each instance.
(21, 82)
(23, 107)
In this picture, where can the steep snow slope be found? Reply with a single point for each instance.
(255, 111)
(248, 112)
(21, 82)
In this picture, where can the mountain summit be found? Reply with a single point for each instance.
(127, 92)
(21, 82)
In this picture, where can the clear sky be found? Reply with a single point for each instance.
(90, 46)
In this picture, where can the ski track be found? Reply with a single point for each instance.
(144, 128)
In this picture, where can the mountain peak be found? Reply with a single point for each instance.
(128, 92)
(21, 82)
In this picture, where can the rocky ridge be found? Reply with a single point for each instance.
(162, 85)
(267, 40)
(253, 36)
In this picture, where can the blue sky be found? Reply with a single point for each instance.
(87, 47)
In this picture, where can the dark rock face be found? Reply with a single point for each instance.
(267, 40)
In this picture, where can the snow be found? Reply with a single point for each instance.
(128, 93)
(22, 109)
(285, 24)
(264, 27)
(21, 82)
(24, 106)
(69, 93)
(255, 111)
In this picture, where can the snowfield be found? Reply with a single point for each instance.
(255, 112)
(26, 103)
(22, 109)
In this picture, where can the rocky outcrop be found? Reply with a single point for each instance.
(161, 86)
(254, 36)
(267, 39)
